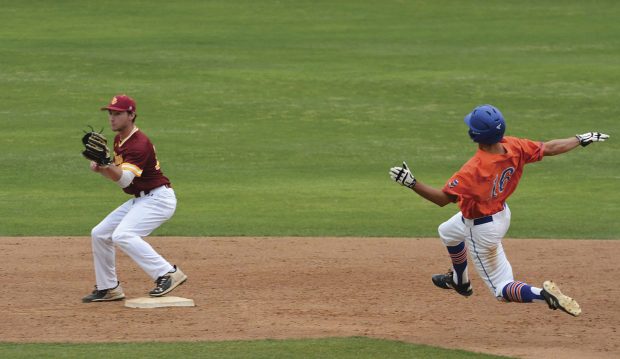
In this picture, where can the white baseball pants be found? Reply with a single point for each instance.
(125, 227)
(484, 245)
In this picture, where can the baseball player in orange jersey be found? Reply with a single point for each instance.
(481, 188)
(136, 170)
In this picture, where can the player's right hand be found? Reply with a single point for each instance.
(403, 176)
(94, 166)
(588, 138)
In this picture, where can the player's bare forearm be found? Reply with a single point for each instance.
(112, 172)
(404, 177)
(434, 195)
(556, 147)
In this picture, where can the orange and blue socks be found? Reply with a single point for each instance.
(458, 255)
(521, 293)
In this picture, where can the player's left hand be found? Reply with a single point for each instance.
(403, 176)
(96, 148)
(587, 138)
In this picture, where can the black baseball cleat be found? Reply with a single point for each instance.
(105, 295)
(446, 281)
(166, 283)
(556, 300)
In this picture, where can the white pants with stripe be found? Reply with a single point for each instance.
(484, 245)
(125, 227)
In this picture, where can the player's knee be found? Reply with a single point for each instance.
(442, 230)
(120, 237)
(444, 234)
(98, 233)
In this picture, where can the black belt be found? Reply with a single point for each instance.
(481, 220)
(145, 193)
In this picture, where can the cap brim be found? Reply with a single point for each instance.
(467, 119)
(113, 108)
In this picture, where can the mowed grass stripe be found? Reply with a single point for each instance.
(283, 117)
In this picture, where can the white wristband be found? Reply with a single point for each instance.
(125, 179)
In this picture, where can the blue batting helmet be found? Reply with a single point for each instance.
(486, 124)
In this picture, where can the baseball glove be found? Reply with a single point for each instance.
(96, 147)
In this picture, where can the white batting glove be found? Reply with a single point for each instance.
(588, 138)
(403, 176)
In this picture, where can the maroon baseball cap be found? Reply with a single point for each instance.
(121, 103)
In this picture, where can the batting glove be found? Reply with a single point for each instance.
(588, 138)
(403, 176)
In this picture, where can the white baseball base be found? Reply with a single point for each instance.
(158, 302)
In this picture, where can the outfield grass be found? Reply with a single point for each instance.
(342, 348)
(283, 117)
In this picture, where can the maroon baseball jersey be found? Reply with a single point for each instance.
(136, 153)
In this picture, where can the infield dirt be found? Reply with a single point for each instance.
(255, 288)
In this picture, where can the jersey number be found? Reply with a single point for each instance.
(501, 180)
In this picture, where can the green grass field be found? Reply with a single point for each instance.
(283, 117)
(341, 348)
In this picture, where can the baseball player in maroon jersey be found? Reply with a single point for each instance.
(136, 170)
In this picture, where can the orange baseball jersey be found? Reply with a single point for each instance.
(136, 153)
(484, 182)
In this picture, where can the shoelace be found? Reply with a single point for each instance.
(161, 280)
(97, 291)
(450, 276)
